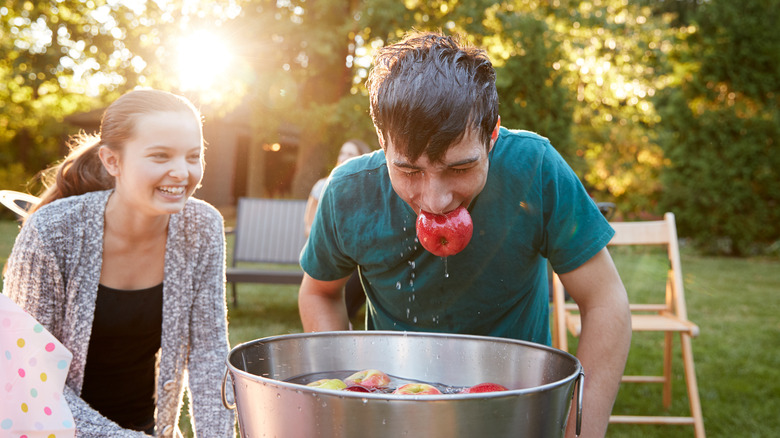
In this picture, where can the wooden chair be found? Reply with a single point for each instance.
(18, 202)
(668, 316)
(267, 231)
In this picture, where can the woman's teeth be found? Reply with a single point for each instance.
(172, 190)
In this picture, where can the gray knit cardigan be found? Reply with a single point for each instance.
(53, 273)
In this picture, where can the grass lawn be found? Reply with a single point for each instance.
(735, 302)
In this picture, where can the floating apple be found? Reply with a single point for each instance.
(416, 389)
(328, 384)
(484, 387)
(369, 379)
(356, 388)
(445, 234)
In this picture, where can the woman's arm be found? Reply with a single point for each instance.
(308, 215)
(34, 281)
(208, 337)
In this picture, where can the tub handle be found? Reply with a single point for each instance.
(225, 401)
(580, 390)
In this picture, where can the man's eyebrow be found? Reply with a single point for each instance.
(463, 162)
(405, 165)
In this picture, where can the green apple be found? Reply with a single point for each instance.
(328, 384)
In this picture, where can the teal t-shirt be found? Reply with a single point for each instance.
(532, 208)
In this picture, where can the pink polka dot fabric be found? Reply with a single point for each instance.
(33, 368)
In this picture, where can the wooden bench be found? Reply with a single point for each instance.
(267, 231)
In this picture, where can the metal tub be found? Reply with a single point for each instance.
(541, 380)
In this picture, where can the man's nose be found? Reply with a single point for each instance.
(437, 195)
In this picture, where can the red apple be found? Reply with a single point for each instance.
(417, 389)
(356, 388)
(328, 384)
(484, 387)
(445, 234)
(369, 379)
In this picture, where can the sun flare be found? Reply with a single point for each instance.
(203, 60)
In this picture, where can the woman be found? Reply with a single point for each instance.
(350, 149)
(354, 296)
(127, 271)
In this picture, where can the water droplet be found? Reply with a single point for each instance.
(407, 312)
(415, 319)
(365, 400)
(398, 285)
(446, 272)
(278, 395)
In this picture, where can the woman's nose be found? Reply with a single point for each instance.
(179, 169)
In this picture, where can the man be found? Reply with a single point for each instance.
(435, 108)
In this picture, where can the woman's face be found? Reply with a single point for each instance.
(161, 165)
(348, 150)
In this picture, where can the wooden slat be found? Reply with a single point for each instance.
(642, 419)
(641, 323)
(642, 379)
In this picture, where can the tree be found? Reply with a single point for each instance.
(721, 125)
(58, 58)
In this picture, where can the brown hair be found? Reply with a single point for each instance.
(427, 90)
(82, 171)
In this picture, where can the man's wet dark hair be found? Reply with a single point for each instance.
(427, 90)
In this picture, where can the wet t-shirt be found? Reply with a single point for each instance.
(532, 208)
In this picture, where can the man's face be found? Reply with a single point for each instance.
(441, 187)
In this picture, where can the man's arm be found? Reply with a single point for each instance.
(321, 305)
(606, 336)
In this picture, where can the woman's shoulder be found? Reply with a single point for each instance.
(201, 215)
(71, 212)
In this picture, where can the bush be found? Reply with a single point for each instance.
(722, 182)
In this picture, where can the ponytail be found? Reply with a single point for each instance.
(80, 172)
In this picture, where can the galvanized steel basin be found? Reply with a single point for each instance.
(541, 380)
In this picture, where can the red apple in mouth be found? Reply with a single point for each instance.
(445, 234)
(369, 379)
(484, 387)
(417, 389)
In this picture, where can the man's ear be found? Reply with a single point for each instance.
(110, 160)
(494, 134)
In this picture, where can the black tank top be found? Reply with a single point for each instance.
(120, 374)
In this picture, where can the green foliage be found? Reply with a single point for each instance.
(721, 126)
(634, 94)
(525, 47)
